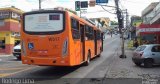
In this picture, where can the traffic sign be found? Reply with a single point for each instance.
(92, 3)
(101, 1)
(83, 11)
(77, 5)
(84, 4)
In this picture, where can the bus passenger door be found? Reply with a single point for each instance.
(82, 40)
(95, 42)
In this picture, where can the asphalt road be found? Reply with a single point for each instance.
(107, 69)
(10, 67)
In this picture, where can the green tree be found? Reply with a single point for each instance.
(114, 23)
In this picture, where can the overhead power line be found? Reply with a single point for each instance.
(120, 2)
(107, 10)
(98, 11)
(136, 2)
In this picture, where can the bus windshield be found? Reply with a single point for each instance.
(44, 22)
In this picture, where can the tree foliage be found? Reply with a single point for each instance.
(114, 23)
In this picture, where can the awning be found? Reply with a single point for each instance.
(148, 29)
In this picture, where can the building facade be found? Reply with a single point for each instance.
(135, 22)
(102, 23)
(149, 30)
(147, 13)
(9, 29)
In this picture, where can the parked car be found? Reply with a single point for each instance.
(17, 51)
(147, 55)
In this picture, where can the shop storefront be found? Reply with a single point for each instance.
(7, 42)
(149, 34)
(9, 29)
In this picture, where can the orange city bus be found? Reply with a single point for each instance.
(58, 38)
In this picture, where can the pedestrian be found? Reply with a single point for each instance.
(136, 44)
(147, 42)
(111, 33)
(144, 42)
(155, 40)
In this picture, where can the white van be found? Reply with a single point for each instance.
(17, 51)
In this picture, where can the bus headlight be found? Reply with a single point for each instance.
(65, 47)
(23, 49)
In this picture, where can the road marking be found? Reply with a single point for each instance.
(4, 75)
(0, 59)
(9, 74)
(11, 68)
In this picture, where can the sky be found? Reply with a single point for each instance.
(134, 7)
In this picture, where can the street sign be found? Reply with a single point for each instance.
(77, 5)
(84, 4)
(92, 3)
(101, 1)
(84, 11)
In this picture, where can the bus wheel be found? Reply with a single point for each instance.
(19, 58)
(88, 59)
(99, 55)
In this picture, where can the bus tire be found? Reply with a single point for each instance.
(99, 55)
(88, 59)
(19, 58)
(101, 49)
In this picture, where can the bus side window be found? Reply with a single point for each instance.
(75, 29)
(89, 32)
(86, 32)
(98, 35)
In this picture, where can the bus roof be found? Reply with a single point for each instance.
(82, 20)
(69, 13)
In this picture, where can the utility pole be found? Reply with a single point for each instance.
(39, 4)
(120, 22)
(127, 22)
(118, 13)
(127, 19)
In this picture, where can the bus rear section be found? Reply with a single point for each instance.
(98, 42)
(99, 38)
(45, 39)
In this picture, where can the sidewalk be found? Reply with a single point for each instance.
(125, 68)
(121, 67)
